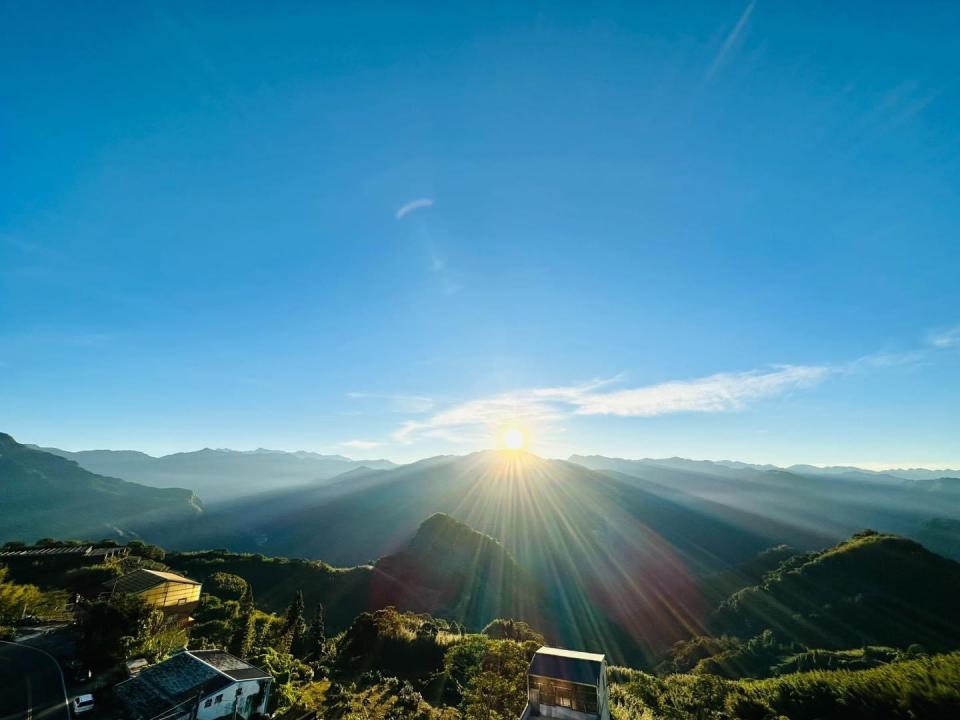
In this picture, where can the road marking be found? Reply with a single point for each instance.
(29, 699)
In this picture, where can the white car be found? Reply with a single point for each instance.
(82, 703)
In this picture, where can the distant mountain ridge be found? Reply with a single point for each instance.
(45, 495)
(684, 463)
(219, 474)
(833, 503)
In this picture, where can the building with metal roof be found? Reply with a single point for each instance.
(567, 684)
(91, 552)
(177, 596)
(196, 684)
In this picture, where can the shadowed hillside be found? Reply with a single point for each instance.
(627, 564)
(446, 569)
(873, 589)
(831, 502)
(452, 571)
(46, 495)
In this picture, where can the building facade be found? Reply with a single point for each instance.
(196, 685)
(567, 684)
(176, 596)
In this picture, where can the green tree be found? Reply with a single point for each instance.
(245, 632)
(17, 600)
(145, 550)
(111, 631)
(289, 677)
(490, 675)
(294, 627)
(502, 629)
(226, 586)
(317, 638)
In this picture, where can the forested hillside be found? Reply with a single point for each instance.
(625, 565)
(45, 495)
(871, 590)
(851, 631)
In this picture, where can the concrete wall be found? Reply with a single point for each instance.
(229, 695)
(552, 711)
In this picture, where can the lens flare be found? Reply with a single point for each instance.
(512, 437)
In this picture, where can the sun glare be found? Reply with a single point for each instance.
(512, 437)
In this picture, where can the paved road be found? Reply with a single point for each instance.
(31, 686)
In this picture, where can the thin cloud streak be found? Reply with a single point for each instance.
(724, 392)
(947, 338)
(398, 403)
(472, 421)
(361, 444)
(731, 40)
(413, 207)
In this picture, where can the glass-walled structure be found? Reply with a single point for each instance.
(563, 694)
(567, 685)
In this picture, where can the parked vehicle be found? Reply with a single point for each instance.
(82, 704)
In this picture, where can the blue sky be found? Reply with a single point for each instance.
(717, 230)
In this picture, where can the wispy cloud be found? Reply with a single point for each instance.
(946, 338)
(361, 444)
(397, 403)
(413, 206)
(723, 392)
(731, 39)
(471, 421)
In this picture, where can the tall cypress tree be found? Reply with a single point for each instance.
(317, 638)
(242, 640)
(294, 627)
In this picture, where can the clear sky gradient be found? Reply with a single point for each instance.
(715, 230)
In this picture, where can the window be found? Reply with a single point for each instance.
(208, 703)
(561, 693)
(219, 698)
(182, 601)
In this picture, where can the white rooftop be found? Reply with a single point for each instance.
(573, 654)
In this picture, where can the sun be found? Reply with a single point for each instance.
(512, 437)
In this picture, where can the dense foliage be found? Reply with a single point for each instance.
(393, 664)
(124, 627)
(874, 589)
(927, 688)
(20, 600)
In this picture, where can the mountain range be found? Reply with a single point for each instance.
(218, 474)
(628, 555)
(42, 494)
(835, 504)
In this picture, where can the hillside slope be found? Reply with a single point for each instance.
(447, 569)
(450, 570)
(874, 589)
(831, 504)
(625, 563)
(44, 495)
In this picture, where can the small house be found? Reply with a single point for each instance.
(175, 595)
(196, 685)
(567, 684)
